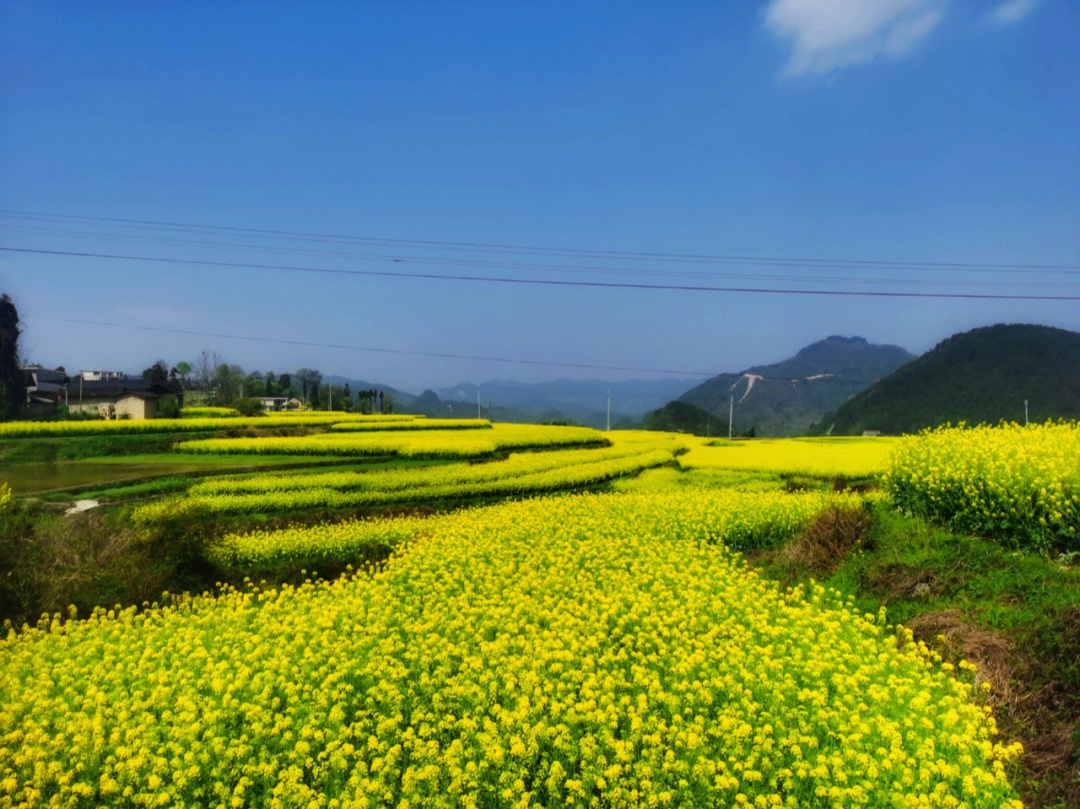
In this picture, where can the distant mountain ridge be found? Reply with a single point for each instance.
(402, 400)
(787, 397)
(583, 401)
(982, 375)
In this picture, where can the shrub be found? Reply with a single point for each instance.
(248, 407)
(168, 407)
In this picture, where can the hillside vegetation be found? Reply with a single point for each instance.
(983, 375)
(681, 417)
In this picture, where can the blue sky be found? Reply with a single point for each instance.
(935, 131)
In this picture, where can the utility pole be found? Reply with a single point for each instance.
(1025, 411)
(609, 411)
(731, 415)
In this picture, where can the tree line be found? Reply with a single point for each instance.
(219, 382)
(228, 384)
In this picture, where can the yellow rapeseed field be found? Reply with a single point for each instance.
(825, 457)
(353, 490)
(208, 412)
(355, 425)
(45, 429)
(1018, 483)
(514, 465)
(573, 651)
(409, 443)
(741, 521)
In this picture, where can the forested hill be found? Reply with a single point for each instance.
(785, 398)
(983, 375)
(680, 417)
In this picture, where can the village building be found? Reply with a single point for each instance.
(273, 404)
(126, 397)
(45, 389)
(101, 376)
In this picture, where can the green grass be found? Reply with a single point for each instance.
(41, 449)
(70, 448)
(1007, 590)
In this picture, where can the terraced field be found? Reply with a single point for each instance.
(604, 647)
(406, 443)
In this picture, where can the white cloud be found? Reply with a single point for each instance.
(1012, 11)
(831, 34)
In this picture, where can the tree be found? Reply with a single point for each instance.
(227, 379)
(183, 369)
(206, 365)
(168, 407)
(285, 383)
(310, 379)
(255, 386)
(270, 389)
(12, 381)
(248, 406)
(157, 374)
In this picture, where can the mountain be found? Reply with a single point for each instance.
(577, 400)
(983, 375)
(785, 398)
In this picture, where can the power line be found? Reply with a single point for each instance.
(547, 281)
(538, 250)
(406, 259)
(371, 349)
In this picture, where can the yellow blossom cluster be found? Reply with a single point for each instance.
(514, 465)
(525, 475)
(572, 651)
(208, 412)
(676, 442)
(742, 521)
(822, 457)
(414, 443)
(354, 426)
(45, 429)
(1017, 483)
(5, 496)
